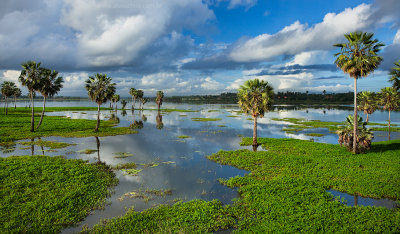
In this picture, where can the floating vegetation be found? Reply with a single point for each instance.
(182, 115)
(134, 194)
(143, 195)
(160, 192)
(302, 124)
(213, 110)
(232, 116)
(184, 137)
(206, 119)
(122, 154)
(250, 119)
(152, 164)
(86, 151)
(128, 165)
(50, 144)
(131, 172)
(221, 125)
(315, 134)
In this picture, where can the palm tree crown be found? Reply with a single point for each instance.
(8, 88)
(255, 97)
(100, 89)
(50, 83)
(395, 76)
(31, 75)
(389, 98)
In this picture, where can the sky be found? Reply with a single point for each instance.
(192, 47)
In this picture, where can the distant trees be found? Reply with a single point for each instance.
(255, 98)
(159, 99)
(7, 90)
(115, 99)
(133, 93)
(358, 57)
(100, 90)
(367, 103)
(139, 95)
(123, 103)
(49, 85)
(395, 76)
(389, 98)
(30, 78)
(17, 93)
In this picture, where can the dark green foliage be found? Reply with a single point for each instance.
(364, 135)
(41, 194)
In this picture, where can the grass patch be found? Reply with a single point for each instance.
(49, 144)
(122, 154)
(184, 137)
(42, 194)
(232, 116)
(131, 171)
(160, 192)
(128, 165)
(206, 119)
(315, 134)
(16, 126)
(87, 151)
(221, 125)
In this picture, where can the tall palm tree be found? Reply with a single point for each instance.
(17, 94)
(100, 90)
(7, 89)
(358, 57)
(49, 85)
(159, 99)
(367, 103)
(139, 95)
(255, 98)
(30, 77)
(395, 76)
(133, 93)
(389, 98)
(115, 99)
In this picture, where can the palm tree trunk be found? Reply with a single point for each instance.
(32, 146)
(255, 132)
(98, 118)
(355, 118)
(98, 148)
(367, 118)
(389, 124)
(33, 114)
(132, 103)
(41, 116)
(116, 107)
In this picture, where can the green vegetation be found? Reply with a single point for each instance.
(184, 137)
(315, 134)
(87, 151)
(41, 194)
(160, 192)
(128, 165)
(122, 154)
(285, 191)
(50, 144)
(131, 171)
(206, 119)
(15, 126)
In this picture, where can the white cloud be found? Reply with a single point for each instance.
(297, 37)
(309, 58)
(246, 3)
(12, 75)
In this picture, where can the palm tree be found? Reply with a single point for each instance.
(100, 90)
(367, 103)
(255, 98)
(358, 57)
(139, 95)
(7, 89)
(115, 98)
(395, 76)
(143, 100)
(364, 137)
(159, 99)
(17, 93)
(133, 93)
(123, 103)
(30, 77)
(389, 98)
(49, 85)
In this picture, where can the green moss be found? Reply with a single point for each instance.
(16, 126)
(205, 119)
(41, 194)
(50, 144)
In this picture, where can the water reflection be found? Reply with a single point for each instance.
(355, 200)
(159, 122)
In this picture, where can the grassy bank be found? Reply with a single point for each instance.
(285, 191)
(43, 194)
(16, 126)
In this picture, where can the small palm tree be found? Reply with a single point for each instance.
(139, 95)
(17, 94)
(7, 89)
(389, 98)
(100, 90)
(143, 101)
(358, 57)
(395, 76)
(159, 99)
(255, 98)
(367, 103)
(49, 85)
(364, 136)
(30, 77)
(123, 103)
(133, 93)
(115, 98)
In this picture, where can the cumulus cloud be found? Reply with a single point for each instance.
(391, 53)
(11, 75)
(297, 37)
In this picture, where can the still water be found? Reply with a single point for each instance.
(168, 162)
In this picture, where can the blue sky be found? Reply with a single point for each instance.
(186, 47)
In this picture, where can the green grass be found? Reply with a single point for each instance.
(16, 126)
(184, 137)
(285, 191)
(128, 165)
(205, 119)
(315, 134)
(49, 144)
(41, 194)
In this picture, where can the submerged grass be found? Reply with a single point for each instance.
(16, 126)
(41, 194)
(285, 191)
(49, 144)
(205, 119)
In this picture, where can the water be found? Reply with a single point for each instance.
(181, 163)
(354, 200)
